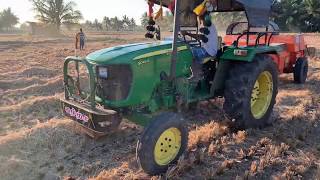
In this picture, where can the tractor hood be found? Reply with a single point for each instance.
(124, 54)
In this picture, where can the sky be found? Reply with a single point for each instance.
(91, 9)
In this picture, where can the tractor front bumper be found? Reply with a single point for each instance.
(96, 122)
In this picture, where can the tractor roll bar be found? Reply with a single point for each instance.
(272, 29)
(259, 36)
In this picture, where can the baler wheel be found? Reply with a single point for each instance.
(162, 143)
(250, 92)
(300, 72)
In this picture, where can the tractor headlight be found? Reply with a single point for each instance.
(103, 72)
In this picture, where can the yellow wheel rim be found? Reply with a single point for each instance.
(167, 146)
(261, 95)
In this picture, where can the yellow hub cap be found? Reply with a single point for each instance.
(261, 95)
(167, 146)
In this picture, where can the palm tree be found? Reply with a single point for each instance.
(88, 24)
(56, 12)
(133, 24)
(116, 23)
(97, 25)
(125, 22)
(144, 19)
(8, 19)
(107, 23)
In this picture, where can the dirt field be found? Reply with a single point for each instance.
(37, 142)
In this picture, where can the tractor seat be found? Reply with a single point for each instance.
(211, 58)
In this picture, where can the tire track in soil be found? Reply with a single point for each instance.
(28, 97)
(65, 150)
(41, 139)
(12, 96)
(40, 72)
(20, 83)
(28, 113)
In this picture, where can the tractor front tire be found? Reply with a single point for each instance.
(300, 72)
(162, 143)
(250, 92)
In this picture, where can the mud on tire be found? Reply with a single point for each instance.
(240, 85)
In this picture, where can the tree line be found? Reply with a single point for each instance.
(290, 15)
(60, 12)
(297, 15)
(166, 22)
(112, 24)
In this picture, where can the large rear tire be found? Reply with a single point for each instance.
(162, 143)
(250, 92)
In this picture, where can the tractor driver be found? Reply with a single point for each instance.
(208, 36)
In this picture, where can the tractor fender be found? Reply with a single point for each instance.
(230, 57)
(230, 54)
(247, 54)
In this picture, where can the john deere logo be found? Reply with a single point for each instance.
(142, 62)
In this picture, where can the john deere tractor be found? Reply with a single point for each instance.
(151, 83)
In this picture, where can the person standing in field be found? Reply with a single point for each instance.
(80, 39)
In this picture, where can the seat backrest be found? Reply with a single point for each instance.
(193, 30)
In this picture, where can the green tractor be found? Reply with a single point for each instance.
(151, 83)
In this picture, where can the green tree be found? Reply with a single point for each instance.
(88, 24)
(297, 15)
(56, 12)
(7, 19)
(311, 17)
(97, 25)
(25, 27)
(107, 23)
(287, 14)
(125, 22)
(133, 24)
(144, 19)
(116, 24)
(166, 23)
(223, 20)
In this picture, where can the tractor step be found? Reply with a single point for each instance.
(95, 122)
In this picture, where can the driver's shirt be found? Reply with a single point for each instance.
(212, 45)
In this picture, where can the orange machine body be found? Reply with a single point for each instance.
(294, 47)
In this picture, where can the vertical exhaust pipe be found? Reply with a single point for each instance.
(175, 40)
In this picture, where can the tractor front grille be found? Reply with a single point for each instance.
(118, 83)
